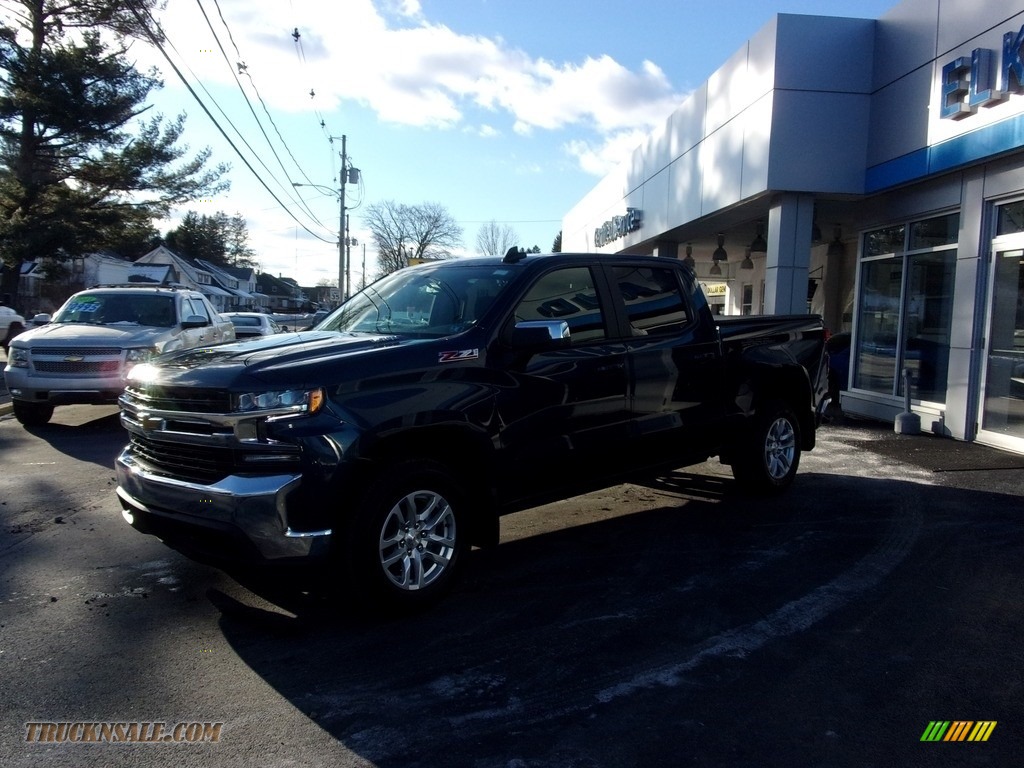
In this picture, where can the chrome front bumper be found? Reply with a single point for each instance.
(248, 508)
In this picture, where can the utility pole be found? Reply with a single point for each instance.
(344, 242)
(342, 220)
(348, 259)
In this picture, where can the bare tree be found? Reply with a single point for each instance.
(402, 233)
(495, 239)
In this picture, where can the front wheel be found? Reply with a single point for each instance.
(32, 414)
(407, 538)
(767, 460)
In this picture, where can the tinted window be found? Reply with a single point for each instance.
(653, 298)
(566, 294)
(194, 306)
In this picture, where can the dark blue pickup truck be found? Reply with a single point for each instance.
(391, 437)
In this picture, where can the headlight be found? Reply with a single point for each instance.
(140, 355)
(17, 357)
(294, 400)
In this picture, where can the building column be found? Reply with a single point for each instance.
(790, 222)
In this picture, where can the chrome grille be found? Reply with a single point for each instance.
(189, 462)
(203, 464)
(77, 351)
(186, 399)
(82, 368)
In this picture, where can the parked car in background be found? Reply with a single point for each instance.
(84, 353)
(11, 324)
(315, 320)
(250, 324)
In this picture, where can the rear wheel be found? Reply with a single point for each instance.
(767, 460)
(407, 539)
(32, 414)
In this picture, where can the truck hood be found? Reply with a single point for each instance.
(266, 359)
(80, 335)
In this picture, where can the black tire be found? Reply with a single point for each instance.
(32, 414)
(768, 458)
(407, 539)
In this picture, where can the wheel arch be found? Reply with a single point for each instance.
(789, 385)
(465, 452)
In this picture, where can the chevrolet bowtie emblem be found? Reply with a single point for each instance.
(151, 422)
(73, 359)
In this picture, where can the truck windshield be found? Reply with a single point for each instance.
(429, 303)
(118, 309)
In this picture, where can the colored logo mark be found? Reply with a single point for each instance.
(958, 730)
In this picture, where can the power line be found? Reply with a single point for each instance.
(155, 39)
(266, 110)
(286, 187)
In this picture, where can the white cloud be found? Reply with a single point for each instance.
(414, 72)
(598, 158)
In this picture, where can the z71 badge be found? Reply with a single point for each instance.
(459, 354)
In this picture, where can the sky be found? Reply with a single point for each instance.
(505, 111)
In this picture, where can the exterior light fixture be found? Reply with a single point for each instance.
(759, 245)
(716, 269)
(720, 254)
(688, 261)
(747, 262)
(836, 248)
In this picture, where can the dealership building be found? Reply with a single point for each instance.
(871, 171)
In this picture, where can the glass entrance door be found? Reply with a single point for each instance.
(1002, 398)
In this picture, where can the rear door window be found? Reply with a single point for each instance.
(654, 300)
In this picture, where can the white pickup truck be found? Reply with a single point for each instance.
(87, 349)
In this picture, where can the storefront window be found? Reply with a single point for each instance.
(932, 233)
(878, 325)
(927, 323)
(882, 241)
(906, 309)
(1011, 219)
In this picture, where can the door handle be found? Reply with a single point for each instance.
(610, 367)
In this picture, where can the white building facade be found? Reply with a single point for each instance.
(868, 170)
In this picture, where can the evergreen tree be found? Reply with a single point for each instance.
(219, 239)
(79, 166)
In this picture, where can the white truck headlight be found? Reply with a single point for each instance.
(139, 355)
(18, 357)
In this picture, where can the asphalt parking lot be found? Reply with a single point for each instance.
(668, 621)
